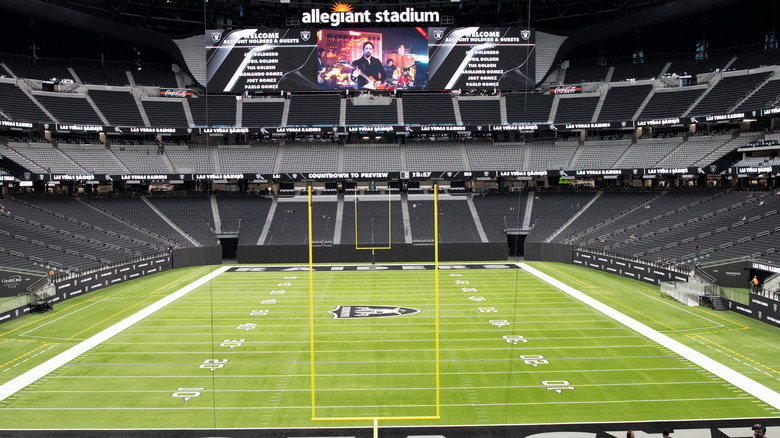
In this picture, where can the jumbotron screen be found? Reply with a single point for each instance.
(434, 58)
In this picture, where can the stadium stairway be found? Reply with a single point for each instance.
(339, 219)
(573, 218)
(405, 215)
(170, 222)
(215, 212)
(475, 216)
(529, 205)
(719, 303)
(268, 219)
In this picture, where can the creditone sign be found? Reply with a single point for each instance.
(13, 283)
(77, 286)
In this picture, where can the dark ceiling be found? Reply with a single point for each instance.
(727, 24)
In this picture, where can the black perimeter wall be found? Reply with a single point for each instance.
(349, 254)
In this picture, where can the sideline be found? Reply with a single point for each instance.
(740, 381)
(20, 382)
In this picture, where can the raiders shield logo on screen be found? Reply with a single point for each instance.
(305, 35)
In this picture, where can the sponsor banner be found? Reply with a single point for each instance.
(147, 177)
(754, 170)
(521, 173)
(521, 127)
(766, 267)
(765, 309)
(77, 286)
(217, 176)
(588, 172)
(13, 314)
(145, 130)
(626, 268)
(14, 124)
(566, 89)
(760, 308)
(167, 92)
(96, 280)
(598, 125)
(661, 122)
(671, 171)
(443, 128)
(13, 283)
(770, 111)
(79, 128)
(220, 131)
(720, 117)
(306, 130)
(368, 129)
(68, 177)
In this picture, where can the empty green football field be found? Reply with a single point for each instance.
(512, 349)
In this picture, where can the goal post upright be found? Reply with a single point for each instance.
(436, 282)
(311, 306)
(374, 419)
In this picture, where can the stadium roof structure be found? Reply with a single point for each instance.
(608, 27)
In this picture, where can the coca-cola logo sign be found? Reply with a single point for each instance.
(566, 90)
(175, 93)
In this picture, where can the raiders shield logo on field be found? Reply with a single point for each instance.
(343, 312)
(525, 34)
(438, 33)
(215, 36)
(305, 35)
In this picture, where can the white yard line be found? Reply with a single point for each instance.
(63, 316)
(676, 307)
(744, 383)
(20, 382)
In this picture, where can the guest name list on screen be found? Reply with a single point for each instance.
(260, 60)
(481, 58)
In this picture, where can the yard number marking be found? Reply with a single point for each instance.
(213, 364)
(557, 385)
(232, 343)
(535, 360)
(187, 393)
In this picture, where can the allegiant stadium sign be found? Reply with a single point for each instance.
(341, 14)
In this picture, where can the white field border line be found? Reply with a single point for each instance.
(740, 381)
(20, 382)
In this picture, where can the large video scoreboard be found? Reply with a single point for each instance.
(434, 58)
